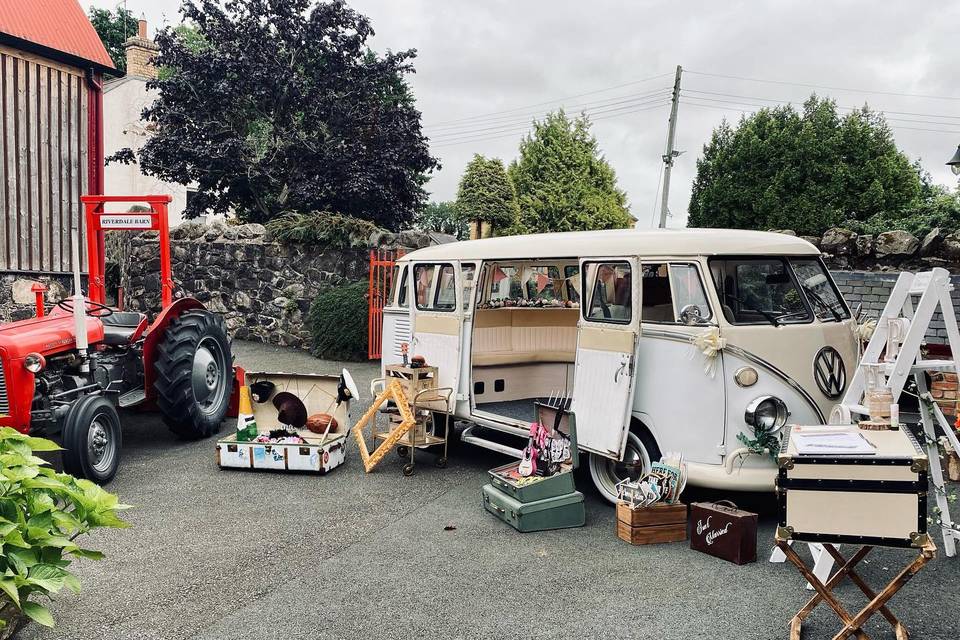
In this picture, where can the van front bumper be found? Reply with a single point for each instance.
(742, 478)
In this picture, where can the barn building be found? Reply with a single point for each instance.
(52, 68)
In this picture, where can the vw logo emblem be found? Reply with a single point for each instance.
(829, 372)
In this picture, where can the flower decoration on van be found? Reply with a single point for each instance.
(515, 303)
(709, 344)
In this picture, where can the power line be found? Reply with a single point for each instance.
(663, 91)
(853, 109)
(747, 111)
(734, 95)
(527, 120)
(484, 138)
(823, 86)
(549, 102)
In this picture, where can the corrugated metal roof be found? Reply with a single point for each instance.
(60, 25)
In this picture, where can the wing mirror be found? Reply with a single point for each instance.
(690, 315)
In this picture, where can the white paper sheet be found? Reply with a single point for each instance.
(832, 444)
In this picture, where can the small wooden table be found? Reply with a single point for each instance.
(878, 601)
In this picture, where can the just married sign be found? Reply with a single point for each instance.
(722, 530)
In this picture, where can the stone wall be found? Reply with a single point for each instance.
(18, 302)
(263, 288)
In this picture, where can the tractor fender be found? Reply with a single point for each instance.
(154, 334)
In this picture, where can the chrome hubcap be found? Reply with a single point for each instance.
(207, 376)
(100, 447)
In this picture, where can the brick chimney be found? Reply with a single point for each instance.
(140, 52)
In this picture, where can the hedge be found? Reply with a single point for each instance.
(338, 323)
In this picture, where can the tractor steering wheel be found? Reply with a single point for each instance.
(94, 309)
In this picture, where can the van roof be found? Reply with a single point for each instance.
(621, 242)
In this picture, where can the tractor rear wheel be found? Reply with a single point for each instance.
(92, 439)
(194, 374)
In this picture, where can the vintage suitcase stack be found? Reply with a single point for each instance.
(316, 454)
(877, 499)
(652, 525)
(538, 504)
(722, 530)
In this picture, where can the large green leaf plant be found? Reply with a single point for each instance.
(42, 514)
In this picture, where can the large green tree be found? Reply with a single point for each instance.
(486, 193)
(442, 217)
(563, 182)
(114, 27)
(280, 105)
(807, 171)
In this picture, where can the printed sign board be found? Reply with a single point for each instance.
(126, 221)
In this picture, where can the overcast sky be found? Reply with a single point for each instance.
(484, 68)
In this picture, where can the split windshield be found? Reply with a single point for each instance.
(776, 291)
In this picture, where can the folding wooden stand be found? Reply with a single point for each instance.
(878, 601)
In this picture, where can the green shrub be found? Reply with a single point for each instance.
(940, 210)
(338, 323)
(41, 514)
(322, 227)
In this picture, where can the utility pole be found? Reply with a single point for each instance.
(670, 154)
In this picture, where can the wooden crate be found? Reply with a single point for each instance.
(652, 525)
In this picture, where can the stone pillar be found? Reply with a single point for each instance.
(474, 229)
(486, 229)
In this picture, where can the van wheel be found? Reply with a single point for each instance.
(640, 453)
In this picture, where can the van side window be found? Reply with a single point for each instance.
(398, 286)
(423, 282)
(611, 292)
(655, 294)
(446, 298)
(571, 273)
(688, 290)
(468, 271)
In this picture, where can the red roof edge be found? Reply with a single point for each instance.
(57, 29)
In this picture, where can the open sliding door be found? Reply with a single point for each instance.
(437, 318)
(607, 334)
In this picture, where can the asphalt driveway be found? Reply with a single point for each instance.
(232, 554)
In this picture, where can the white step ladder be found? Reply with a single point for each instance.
(901, 330)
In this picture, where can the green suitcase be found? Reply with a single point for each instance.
(558, 512)
(535, 488)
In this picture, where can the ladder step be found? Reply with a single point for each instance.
(468, 436)
(132, 398)
(922, 365)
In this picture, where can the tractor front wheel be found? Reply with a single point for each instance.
(92, 439)
(194, 374)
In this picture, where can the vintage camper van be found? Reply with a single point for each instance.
(666, 340)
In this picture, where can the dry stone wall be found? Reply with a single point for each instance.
(264, 288)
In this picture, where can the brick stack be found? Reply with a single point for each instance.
(944, 388)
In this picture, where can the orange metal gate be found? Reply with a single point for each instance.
(381, 281)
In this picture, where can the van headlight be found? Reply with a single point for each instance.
(769, 413)
(34, 362)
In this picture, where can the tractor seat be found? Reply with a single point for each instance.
(123, 327)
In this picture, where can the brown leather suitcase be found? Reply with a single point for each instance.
(722, 530)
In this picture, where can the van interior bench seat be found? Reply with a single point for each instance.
(525, 335)
(521, 355)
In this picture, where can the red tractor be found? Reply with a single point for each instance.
(65, 373)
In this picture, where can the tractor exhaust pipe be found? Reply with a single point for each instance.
(80, 315)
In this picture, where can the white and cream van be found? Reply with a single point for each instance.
(665, 340)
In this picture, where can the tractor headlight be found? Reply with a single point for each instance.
(34, 362)
(769, 413)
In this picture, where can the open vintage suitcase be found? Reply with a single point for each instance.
(878, 499)
(319, 394)
(546, 503)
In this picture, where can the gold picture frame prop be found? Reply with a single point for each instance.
(853, 624)
(393, 391)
